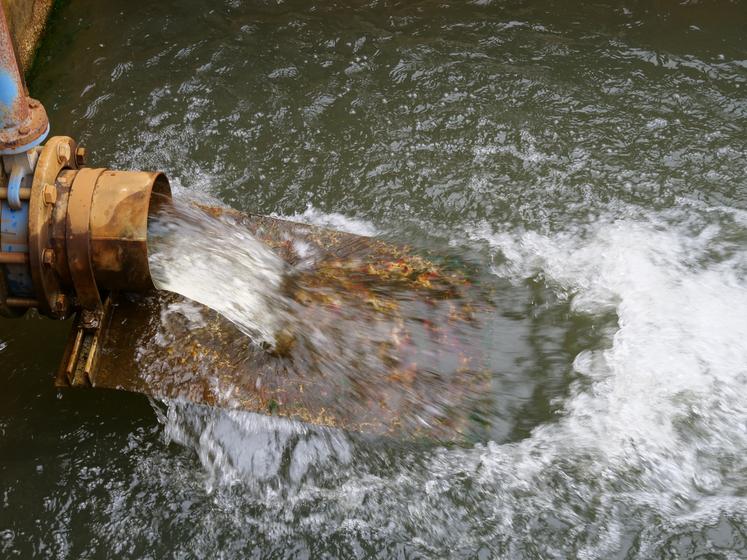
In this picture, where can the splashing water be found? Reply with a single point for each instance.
(361, 334)
(548, 142)
(650, 439)
(222, 267)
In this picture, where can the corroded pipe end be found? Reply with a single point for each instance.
(120, 206)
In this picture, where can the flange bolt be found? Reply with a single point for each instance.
(50, 194)
(63, 153)
(81, 156)
(48, 257)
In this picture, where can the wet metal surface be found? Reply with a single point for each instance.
(47, 231)
(355, 281)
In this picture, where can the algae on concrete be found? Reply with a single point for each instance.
(27, 19)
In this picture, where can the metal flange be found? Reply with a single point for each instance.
(49, 192)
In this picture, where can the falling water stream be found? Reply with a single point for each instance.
(583, 165)
(368, 333)
(220, 265)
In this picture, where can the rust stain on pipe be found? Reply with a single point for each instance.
(119, 228)
(88, 229)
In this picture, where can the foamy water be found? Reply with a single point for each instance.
(652, 433)
(333, 220)
(667, 397)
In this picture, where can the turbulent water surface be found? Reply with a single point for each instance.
(588, 161)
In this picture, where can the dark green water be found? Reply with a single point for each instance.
(590, 160)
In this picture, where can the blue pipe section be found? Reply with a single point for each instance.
(16, 123)
(14, 236)
(20, 123)
(14, 187)
(8, 96)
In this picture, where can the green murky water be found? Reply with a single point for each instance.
(590, 160)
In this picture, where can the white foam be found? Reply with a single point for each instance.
(653, 433)
(667, 397)
(235, 446)
(220, 265)
(315, 217)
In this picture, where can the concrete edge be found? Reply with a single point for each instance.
(27, 20)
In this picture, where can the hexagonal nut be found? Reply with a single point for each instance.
(50, 194)
(63, 152)
(81, 156)
(48, 257)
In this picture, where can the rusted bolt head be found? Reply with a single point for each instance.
(60, 303)
(48, 257)
(81, 155)
(50, 194)
(63, 152)
(23, 130)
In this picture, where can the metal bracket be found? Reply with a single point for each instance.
(78, 365)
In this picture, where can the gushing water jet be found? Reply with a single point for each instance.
(363, 336)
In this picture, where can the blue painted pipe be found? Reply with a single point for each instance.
(9, 95)
(23, 120)
(23, 126)
(14, 109)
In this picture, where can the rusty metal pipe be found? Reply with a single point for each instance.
(23, 120)
(21, 302)
(13, 109)
(89, 231)
(14, 258)
(24, 193)
(121, 204)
